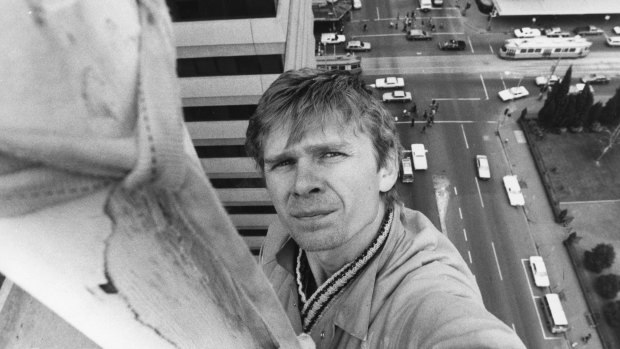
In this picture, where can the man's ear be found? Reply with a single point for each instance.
(389, 173)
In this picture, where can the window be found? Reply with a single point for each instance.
(218, 113)
(572, 49)
(231, 65)
(530, 50)
(225, 151)
(557, 50)
(237, 182)
(205, 10)
(537, 50)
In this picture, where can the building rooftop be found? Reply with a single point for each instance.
(556, 7)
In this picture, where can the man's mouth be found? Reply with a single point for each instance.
(305, 214)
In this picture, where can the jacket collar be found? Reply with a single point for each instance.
(354, 305)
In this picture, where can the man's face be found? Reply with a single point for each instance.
(325, 188)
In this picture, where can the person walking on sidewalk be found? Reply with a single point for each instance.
(423, 129)
(425, 115)
(414, 110)
(412, 123)
(365, 27)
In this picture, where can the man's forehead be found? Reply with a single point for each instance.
(278, 140)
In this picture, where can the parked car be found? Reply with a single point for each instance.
(482, 165)
(556, 32)
(418, 34)
(425, 5)
(390, 82)
(539, 271)
(513, 93)
(437, 3)
(407, 170)
(397, 96)
(595, 79)
(527, 32)
(542, 80)
(616, 30)
(357, 4)
(613, 40)
(418, 153)
(513, 189)
(356, 45)
(578, 87)
(332, 38)
(588, 30)
(452, 45)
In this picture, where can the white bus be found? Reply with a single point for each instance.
(556, 319)
(545, 47)
(351, 63)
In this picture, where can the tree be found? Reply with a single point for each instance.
(612, 138)
(554, 111)
(594, 115)
(607, 286)
(610, 116)
(584, 101)
(612, 314)
(600, 257)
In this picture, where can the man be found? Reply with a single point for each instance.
(351, 266)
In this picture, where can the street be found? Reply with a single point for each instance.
(492, 236)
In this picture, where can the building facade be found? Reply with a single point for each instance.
(228, 53)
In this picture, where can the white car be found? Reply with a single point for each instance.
(616, 30)
(542, 80)
(556, 32)
(390, 82)
(356, 45)
(595, 79)
(539, 271)
(514, 190)
(357, 4)
(527, 32)
(397, 96)
(513, 93)
(482, 164)
(578, 87)
(418, 153)
(332, 38)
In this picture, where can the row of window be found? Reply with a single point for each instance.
(538, 50)
(218, 113)
(205, 10)
(230, 65)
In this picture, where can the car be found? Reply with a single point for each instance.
(452, 45)
(513, 189)
(576, 88)
(613, 40)
(332, 38)
(397, 96)
(425, 5)
(437, 3)
(513, 93)
(588, 30)
(418, 153)
(543, 79)
(482, 164)
(356, 45)
(390, 82)
(539, 271)
(527, 32)
(418, 34)
(556, 32)
(595, 79)
(357, 4)
(407, 170)
(616, 30)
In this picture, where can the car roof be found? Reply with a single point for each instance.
(355, 42)
(399, 93)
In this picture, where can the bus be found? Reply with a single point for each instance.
(349, 62)
(556, 319)
(545, 47)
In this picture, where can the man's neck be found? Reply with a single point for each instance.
(326, 263)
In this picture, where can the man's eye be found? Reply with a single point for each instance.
(282, 164)
(333, 154)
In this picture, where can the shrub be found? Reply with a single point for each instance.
(600, 257)
(607, 285)
(612, 314)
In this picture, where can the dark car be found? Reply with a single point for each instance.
(453, 45)
(588, 30)
(417, 34)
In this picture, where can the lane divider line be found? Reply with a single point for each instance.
(499, 270)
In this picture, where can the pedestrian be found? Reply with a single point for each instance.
(365, 27)
(404, 26)
(342, 29)
(342, 231)
(423, 130)
(396, 24)
(407, 14)
(412, 122)
(425, 115)
(405, 113)
(391, 24)
(414, 110)
(433, 28)
(429, 122)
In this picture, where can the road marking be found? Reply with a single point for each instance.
(501, 77)
(455, 192)
(448, 33)
(378, 17)
(491, 48)
(497, 261)
(469, 254)
(460, 213)
(465, 234)
(374, 35)
(470, 45)
(529, 284)
(459, 99)
(479, 193)
(454, 122)
(464, 136)
(484, 86)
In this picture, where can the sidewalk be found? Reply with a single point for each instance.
(546, 234)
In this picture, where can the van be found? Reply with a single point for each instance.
(437, 3)
(613, 40)
(425, 5)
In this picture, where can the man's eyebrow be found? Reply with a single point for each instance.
(314, 148)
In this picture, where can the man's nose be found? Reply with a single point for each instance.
(308, 179)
